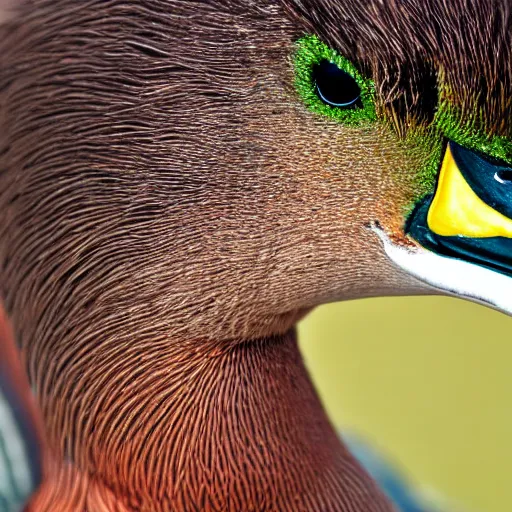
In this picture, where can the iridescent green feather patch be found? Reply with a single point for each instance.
(470, 136)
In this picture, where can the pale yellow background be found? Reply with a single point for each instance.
(428, 380)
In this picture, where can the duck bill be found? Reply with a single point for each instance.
(469, 220)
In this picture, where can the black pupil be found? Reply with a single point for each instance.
(334, 86)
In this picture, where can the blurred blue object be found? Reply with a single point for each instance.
(390, 480)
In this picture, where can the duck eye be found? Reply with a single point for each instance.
(336, 87)
(329, 84)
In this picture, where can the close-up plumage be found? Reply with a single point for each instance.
(181, 182)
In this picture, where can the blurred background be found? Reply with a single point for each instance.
(427, 382)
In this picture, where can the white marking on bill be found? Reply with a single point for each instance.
(452, 275)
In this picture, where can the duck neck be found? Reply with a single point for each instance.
(233, 428)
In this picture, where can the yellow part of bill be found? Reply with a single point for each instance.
(456, 210)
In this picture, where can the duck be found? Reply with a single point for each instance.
(181, 182)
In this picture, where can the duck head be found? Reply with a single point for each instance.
(276, 161)
(181, 179)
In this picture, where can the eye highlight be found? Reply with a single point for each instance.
(329, 84)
